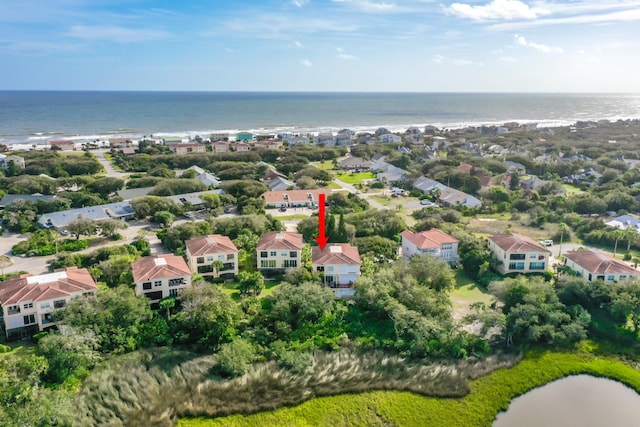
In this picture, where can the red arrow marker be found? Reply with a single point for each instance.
(321, 239)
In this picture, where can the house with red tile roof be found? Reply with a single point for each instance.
(220, 146)
(514, 253)
(160, 276)
(339, 265)
(596, 265)
(433, 242)
(212, 256)
(279, 250)
(28, 301)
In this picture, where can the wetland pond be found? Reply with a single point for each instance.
(579, 400)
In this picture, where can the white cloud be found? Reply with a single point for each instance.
(368, 5)
(438, 59)
(116, 34)
(299, 3)
(521, 41)
(297, 44)
(496, 10)
(617, 16)
(507, 59)
(464, 62)
(307, 63)
(343, 55)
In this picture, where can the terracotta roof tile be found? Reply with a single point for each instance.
(294, 196)
(600, 263)
(433, 238)
(211, 244)
(59, 284)
(335, 253)
(158, 267)
(517, 243)
(280, 240)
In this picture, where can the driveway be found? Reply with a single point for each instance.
(351, 189)
(106, 164)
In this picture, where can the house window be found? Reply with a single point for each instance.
(622, 277)
(293, 254)
(205, 269)
(290, 263)
(176, 282)
(228, 266)
(157, 283)
(14, 309)
(516, 266)
(229, 257)
(283, 254)
(536, 266)
(611, 277)
(173, 293)
(146, 286)
(273, 253)
(517, 256)
(320, 268)
(45, 305)
(59, 303)
(220, 257)
(28, 305)
(264, 254)
(268, 263)
(533, 256)
(447, 246)
(330, 269)
(200, 260)
(210, 258)
(29, 319)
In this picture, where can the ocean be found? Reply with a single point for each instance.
(36, 117)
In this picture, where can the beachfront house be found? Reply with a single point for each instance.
(62, 145)
(515, 253)
(220, 147)
(188, 148)
(7, 161)
(339, 266)
(160, 276)
(212, 256)
(279, 250)
(28, 301)
(244, 137)
(596, 265)
(433, 242)
(241, 146)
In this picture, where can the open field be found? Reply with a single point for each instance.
(355, 178)
(489, 395)
(465, 294)
(326, 165)
(491, 226)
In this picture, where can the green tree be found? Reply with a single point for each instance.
(105, 186)
(114, 315)
(514, 181)
(167, 304)
(109, 227)
(617, 234)
(163, 217)
(82, 227)
(340, 235)
(209, 316)
(250, 283)
(68, 352)
(625, 303)
(564, 228)
(235, 358)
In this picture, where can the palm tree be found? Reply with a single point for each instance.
(563, 229)
(167, 304)
(631, 235)
(217, 266)
(618, 234)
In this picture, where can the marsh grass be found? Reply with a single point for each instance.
(160, 386)
(490, 393)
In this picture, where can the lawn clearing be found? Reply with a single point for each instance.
(325, 165)
(355, 178)
(465, 294)
(572, 190)
(491, 226)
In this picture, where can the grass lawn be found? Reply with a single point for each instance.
(355, 178)
(383, 200)
(489, 395)
(572, 189)
(332, 185)
(466, 293)
(294, 217)
(326, 165)
(232, 288)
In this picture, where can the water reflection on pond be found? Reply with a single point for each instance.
(579, 400)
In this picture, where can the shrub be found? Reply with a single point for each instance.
(235, 358)
(296, 362)
(4, 348)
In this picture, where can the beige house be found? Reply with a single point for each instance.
(212, 256)
(220, 147)
(28, 301)
(188, 148)
(279, 250)
(339, 265)
(433, 242)
(514, 253)
(592, 265)
(160, 276)
(241, 146)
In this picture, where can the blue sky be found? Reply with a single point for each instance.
(313, 45)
